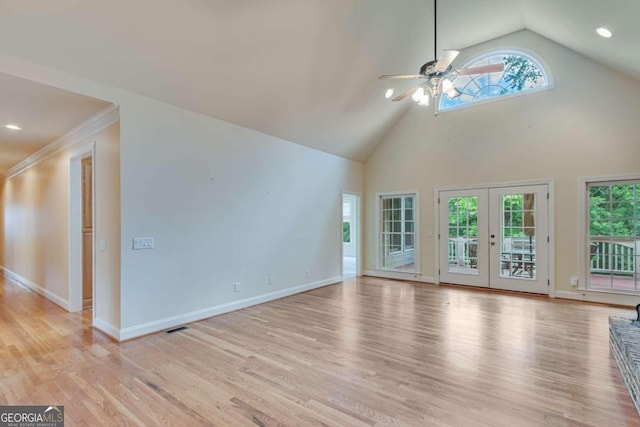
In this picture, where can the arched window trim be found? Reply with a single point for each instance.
(530, 55)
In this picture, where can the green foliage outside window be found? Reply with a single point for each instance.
(463, 217)
(513, 215)
(614, 210)
(346, 231)
(518, 70)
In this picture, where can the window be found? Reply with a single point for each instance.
(398, 228)
(614, 236)
(521, 73)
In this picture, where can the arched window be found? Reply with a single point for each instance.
(521, 73)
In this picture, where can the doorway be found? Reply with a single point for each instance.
(87, 232)
(82, 294)
(350, 235)
(495, 237)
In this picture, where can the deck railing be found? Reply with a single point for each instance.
(458, 247)
(617, 257)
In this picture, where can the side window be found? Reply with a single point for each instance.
(613, 262)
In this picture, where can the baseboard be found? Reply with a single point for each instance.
(414, 277)
(36, 288)
(106, 328)
(599, 297)
(170, 322)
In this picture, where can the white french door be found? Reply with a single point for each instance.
(495, 237)
(464, 237)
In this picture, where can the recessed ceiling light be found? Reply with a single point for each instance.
(604, 32)
(389, 93)
(13, 127)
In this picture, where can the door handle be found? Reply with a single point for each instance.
(493, 236)
(493, 243)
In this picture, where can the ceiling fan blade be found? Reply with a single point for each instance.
(406, 93)
(400, 76)
(483, 69)
(445, 60)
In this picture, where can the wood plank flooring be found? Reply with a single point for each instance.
(369, 352)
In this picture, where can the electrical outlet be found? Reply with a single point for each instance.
(574, 282)
(269, 281)
(307, 273)
(102, 245)
(142, 243)
(236, 287)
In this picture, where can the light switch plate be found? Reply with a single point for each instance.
(142, 243)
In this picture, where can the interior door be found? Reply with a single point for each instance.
(519, 238)
(495, 237)
(464, 242)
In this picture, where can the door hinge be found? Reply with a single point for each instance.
(548, 282)
(547, 196)
(438, 200)
(548, 239)
(438, 236)
(438, 272)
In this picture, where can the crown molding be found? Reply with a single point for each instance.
(93, 125)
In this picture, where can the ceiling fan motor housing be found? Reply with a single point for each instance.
(428, 68)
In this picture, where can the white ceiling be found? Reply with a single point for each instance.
(305, 71)
(44, 114)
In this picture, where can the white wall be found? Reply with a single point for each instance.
(586, 126)
(224, 204)
(35, 205)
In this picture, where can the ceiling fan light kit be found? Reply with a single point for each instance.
(437, 75)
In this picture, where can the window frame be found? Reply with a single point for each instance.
(584, 253)
(416, 230)
(535, 58)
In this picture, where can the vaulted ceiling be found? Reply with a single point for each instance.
(304, 71)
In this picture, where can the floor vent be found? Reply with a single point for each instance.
(178, 329)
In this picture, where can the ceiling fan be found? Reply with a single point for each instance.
(437, 75)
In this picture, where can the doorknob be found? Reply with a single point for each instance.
(493, 236)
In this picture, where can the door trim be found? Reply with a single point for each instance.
(550, 182)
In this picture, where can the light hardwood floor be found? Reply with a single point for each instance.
(366, 352)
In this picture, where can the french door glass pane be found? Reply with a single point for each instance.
(463, 235)
(518, 236)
